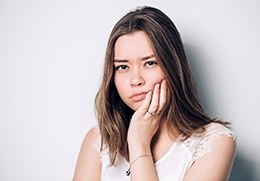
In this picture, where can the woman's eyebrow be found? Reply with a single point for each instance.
(148, 57)
(142, 59)
(116, 60)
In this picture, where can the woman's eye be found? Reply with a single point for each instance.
(121, 67)
(150, 63)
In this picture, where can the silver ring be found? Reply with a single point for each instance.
(152, 113)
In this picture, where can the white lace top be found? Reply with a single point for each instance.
(175, 163)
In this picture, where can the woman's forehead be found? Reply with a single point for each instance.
(133, 46)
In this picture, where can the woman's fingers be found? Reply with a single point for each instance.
(145, 105)
(163, 92)
(158, 98)
(155, 100)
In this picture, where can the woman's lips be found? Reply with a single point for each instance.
(138, 97)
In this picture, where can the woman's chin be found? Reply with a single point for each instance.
(135, 107)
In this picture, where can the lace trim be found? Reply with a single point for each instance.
(201, 145)
(198, 144)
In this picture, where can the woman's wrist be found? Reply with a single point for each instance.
(139, 149)
(139, 157)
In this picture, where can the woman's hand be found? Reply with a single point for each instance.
(142, 128)
(144, 122)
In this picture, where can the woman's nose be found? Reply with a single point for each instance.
(137, 79)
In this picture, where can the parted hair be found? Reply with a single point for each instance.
(182, 111)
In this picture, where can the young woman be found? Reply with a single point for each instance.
(151, 125)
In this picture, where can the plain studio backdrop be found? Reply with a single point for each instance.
(51, 58)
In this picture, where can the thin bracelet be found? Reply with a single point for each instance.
(128, 171)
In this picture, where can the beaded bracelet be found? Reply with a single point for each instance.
(128, 171)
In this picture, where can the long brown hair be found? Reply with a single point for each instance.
(183, 110)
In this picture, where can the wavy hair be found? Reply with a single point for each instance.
(183, 110)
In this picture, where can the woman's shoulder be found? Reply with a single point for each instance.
(215, 129)
(93, 138)
(215, 133)
(89, 165)
(93, 132)
(213, 153)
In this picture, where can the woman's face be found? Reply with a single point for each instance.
(136, 68)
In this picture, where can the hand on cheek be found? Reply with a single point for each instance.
(145, 122)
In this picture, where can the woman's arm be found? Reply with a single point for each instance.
(88, 166)
(215, 165)
(142, 128)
